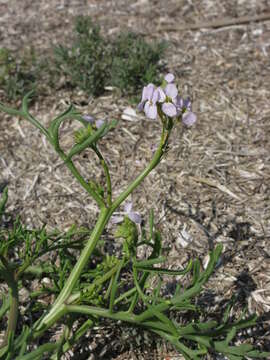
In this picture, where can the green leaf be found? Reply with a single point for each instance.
(140, 266)
(39, 352)
(3, 201)
(164, 319)
(258, 354)
(26, 100)
(25, 113)
(227, 310)
(149, 262)
(151, 224)
(240, 350)
(157, 247)
(53, 129)
(185, 306)
(195, 328)
(114, 284)
(234, 357)
(3, 351)
(5, 305)
(156, 325)
(214, 256)
(244, 323)
(187, 294)
(10, 111)
(196, 271)
(22, 343)
(230, 335)
(201, 339)
(183, 349)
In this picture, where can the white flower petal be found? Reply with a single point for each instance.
(89, 118)
(150, 88)
(99, 123)
(169, 78)
(117, 219)
(155, 97)
(128, 207)
(140, 106)
(144, 94)
(171, 90)
(150, 110)
(162, 95)
(169, 109)
(189, 118)
(135, 217)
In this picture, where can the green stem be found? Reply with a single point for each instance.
(37, 354)
(76, 272)
(13, 313)
(98, 282)
(120, 315)
(24, 114)
(125, 295)
(36, 123)
(154, 162)
(136, 295)
(80, 179)
(3, 201)
(51, 318)
(107, 175)
(14, 302)
(92, 310)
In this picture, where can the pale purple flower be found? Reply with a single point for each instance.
(133, 216)
(89, 118)
(189, 118)
(99, 123)
(150, 96)
(169, 78)
(187, 104)
(169, 99)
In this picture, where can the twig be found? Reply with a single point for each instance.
(216, 185)
(220, 23)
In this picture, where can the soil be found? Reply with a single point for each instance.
(213, 185)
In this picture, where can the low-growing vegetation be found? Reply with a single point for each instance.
(90, 63)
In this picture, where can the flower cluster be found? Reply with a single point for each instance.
(98, 123)
(168, 100)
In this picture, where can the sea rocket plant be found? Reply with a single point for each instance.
(99, 291)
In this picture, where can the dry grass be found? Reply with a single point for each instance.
(214, 182)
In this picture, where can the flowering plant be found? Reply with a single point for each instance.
(103, 294)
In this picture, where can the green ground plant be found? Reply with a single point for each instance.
(86, 62)
(135, 62)
(18, 75)
(93, 62)
(90, 63)
(89, 285)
